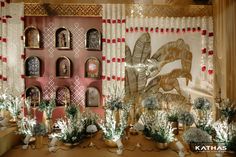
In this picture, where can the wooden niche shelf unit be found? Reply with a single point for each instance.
(93, 40)
(63, 96)
(92, 68)
(32, 66)
(63, 38)
(32, 38)
(63, 67)
(92, 98)
(34, 93)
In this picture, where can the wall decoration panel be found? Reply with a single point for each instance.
(32, 37)
(32, 66)
(77, 82)
(35, 95)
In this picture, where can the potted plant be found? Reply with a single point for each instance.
(162, 131)
(71, 131)
(47, 107)
(14, 105)
(227, 109)
(186, 119)
(225, 134)
(173, 118)
(39, 132)
(26, 128)
(196, 137)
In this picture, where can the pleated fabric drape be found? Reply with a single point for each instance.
(113, 51)
(11, 47)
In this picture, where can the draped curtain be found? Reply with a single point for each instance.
(113, 52)
(197, 32)
(11, 47)
(224, 13)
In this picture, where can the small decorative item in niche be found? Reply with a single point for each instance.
(92, 68)
(32, 66)
(63, 38)
(93, 40)
(92, 97)
(32, 37)
(63, 67)
(63, 96)
(35, 95)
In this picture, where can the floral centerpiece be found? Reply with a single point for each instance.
(113, 130)
(225, 134)
(196, 136)
(186, 118)
(28, 106)
(173, 118)
(227, 109)
(71, 131)
(13, 105)
(162, 131)
(202, 103)
(72, 128)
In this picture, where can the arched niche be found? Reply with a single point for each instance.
(32, 38)
(35, 95)
(63, 67)
(92, 97)
(92, 68)
(63, 38)
(93, 40)
(32, 66)
(63, 96)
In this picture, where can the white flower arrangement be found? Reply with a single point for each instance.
(186, 118)
(111, 129)
(227, 108)
(161, 129)
(47, 106)
(28, 105)
(202, 103)
(14, 105)
(26, 126)
(70, 131)
(224, 131)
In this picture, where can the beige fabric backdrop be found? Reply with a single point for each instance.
(224, 12)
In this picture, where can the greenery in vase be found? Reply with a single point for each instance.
(225, 133)
(202, 103)
(161, 129)
(113, 130)
(150, 103)
(13, 105)
(47, 106)
(227, 108)
(39, 130)
(26, 126)
(186, 118)
(70, 131)
(196, 135)
(72, 111)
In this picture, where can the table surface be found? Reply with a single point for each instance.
(148, 149)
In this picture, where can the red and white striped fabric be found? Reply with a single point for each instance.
(195, 30)
(113, 59)
(11, 47)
